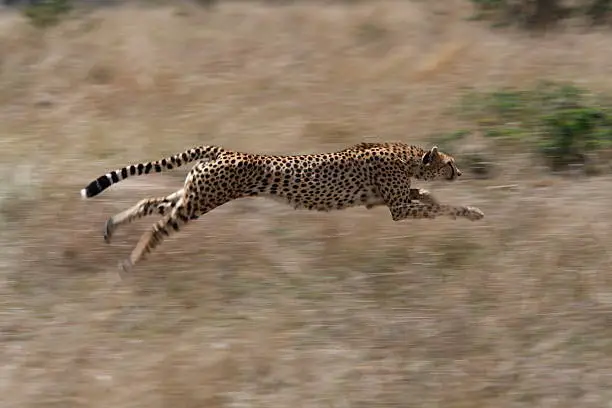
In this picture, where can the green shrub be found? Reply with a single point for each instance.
(539, 13)
(572, 133)
(45, 13)
(561, 122)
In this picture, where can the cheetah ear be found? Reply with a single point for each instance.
(429, 156)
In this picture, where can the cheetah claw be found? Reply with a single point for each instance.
(108, 230)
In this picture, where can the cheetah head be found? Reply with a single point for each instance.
(438, 165)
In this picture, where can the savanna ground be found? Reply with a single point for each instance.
(256, 305)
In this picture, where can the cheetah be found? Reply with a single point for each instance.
(365, 174)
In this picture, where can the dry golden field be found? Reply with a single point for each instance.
(258, 305)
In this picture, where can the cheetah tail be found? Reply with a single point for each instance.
(103, 182)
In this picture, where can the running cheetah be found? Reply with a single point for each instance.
(366, 174)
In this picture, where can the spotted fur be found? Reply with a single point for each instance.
(366, 174)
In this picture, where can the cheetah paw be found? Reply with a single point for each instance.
(473, 213)
(125, 267)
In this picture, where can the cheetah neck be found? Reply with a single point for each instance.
(415, 161)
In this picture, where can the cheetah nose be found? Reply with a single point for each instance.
(458, 172)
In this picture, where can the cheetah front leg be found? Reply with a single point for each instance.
(419, 194)
(399, 199)
(423, 196)
(429, 210)
(145, 207)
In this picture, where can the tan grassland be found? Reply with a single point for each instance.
(255, 304)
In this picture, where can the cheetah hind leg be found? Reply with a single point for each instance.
(145, 207)
(168, 225)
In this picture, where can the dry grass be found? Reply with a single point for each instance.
(261, 306)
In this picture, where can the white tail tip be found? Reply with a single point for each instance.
(83, 194)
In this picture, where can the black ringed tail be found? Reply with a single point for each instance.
(105, 181)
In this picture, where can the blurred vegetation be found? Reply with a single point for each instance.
(525, 13)
(541, 13)
(561, 122)
(45, 13)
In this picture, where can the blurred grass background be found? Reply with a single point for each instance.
(258, 305)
